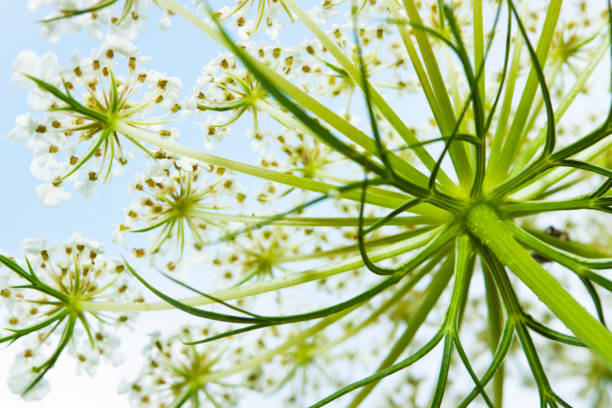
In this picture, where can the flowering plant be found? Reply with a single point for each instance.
(370, 240)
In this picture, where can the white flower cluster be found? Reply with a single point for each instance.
(124, 18)
(40, 301)
(176, 373)
(179, 196)
(75, 139)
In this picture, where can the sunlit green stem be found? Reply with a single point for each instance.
(275, 284)
(434, 291)
(305, 221)
(536, 207)
(479, 44)
(378, 197)
(484, 223)
(511, 145)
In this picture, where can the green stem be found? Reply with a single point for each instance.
(434, 291)
(517, 209)
(511, 145)
(305, 221)
(484, 223)
(479, 45)
(275, 284)
(378, 197)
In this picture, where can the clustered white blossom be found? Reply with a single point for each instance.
(41, 305)
(179, 195)
(74, 139)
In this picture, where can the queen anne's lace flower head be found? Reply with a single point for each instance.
(41, 300)
(179, 202)
(77, 138)
(183, 375)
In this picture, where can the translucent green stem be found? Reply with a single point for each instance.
(484, 223)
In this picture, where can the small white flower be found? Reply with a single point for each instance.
(25, 126)
(20, 379)
(51, 195)
(30, 63)
(165, 22)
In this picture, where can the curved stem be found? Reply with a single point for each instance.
(271, 285)
(379, 197)
(493, 233)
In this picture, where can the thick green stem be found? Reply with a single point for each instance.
(485, 225)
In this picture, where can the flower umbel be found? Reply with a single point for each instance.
(90, 119)
(41, 301)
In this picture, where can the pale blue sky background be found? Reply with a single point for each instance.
(22, 215)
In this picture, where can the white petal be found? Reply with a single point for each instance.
(51, 196)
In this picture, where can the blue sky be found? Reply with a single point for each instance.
(23, 216)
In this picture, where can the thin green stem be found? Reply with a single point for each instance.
(275, 284)
(434, 291)
(511, 145)
(294, 181)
